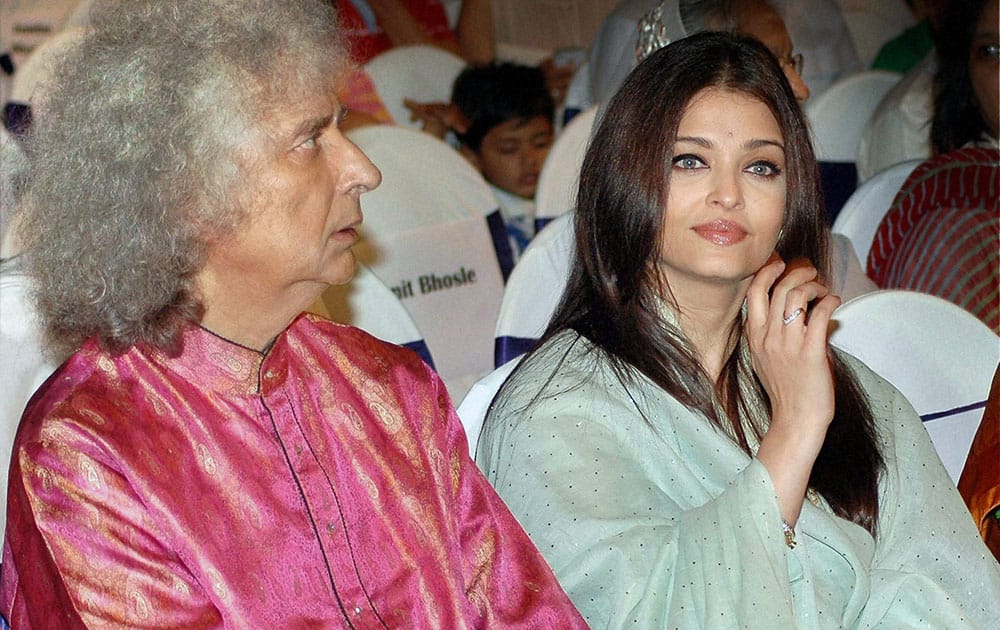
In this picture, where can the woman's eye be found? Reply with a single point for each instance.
(989, 52)
(764, 169)
(687, 162)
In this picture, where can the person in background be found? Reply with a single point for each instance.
(502, 116)
(906, 50)
(208, 456)
(611, 60)
(684, 446)
(967, 82)
(821, 35)
(375, 26)
(505, 129)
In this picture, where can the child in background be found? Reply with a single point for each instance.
(502, 116)
(506, 113)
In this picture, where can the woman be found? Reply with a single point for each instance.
(684, 447)
(966, 95)
(208, 457)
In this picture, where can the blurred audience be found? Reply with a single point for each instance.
(375, 26)
(872, 23)
(967, 97)
(899, 128)
(820, 34)
(906, 50)
(671, 20)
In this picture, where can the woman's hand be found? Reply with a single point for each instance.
(788, 350)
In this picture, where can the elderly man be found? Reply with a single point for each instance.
(208, 457)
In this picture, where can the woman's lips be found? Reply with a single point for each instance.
(721, 232)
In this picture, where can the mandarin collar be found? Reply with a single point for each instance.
(224, 366)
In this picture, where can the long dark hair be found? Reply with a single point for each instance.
(613, 291)
(957, 119)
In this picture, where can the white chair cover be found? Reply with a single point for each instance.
(860, 217)
(433, 233)
(423, 73)
(367, 303)
(473, 409)
(838, 115)
(25, 362)
(534, 289)
(560, 174)
(938, 355)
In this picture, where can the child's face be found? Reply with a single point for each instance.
(512, 153)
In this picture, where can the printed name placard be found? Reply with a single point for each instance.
(448, 278)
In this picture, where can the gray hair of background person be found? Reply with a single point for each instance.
(139, 149)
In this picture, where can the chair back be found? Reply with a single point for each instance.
(534, 290)
(837, 117)
(860, 217)
(433, 234)
(367, 303)
(476, 403)
(421, 72)
(939, 356)
(840, 112)
(560, 175)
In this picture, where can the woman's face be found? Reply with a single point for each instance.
(301, 196)
(984, 66)
(726, 199)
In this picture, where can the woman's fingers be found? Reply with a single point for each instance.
(758, 294)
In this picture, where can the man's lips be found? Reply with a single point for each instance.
(721, 232)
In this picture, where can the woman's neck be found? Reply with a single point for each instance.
(708, 317)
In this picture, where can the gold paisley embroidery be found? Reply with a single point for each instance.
(206, 460)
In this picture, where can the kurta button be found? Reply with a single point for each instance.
(357, 610)
(269, 375)
(330, 527)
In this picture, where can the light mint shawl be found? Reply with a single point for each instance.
(667, 523)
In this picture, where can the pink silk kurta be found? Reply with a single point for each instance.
(324, 484)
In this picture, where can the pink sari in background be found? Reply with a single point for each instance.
(326, 483)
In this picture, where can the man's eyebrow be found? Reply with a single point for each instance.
(310, 126)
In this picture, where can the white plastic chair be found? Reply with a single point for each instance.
(838, 115)
(557, 183)
(472, 411)
(367, 303)
(859, 219)
(938, 355)
(534, 289)
(423, 73)
(433, 233)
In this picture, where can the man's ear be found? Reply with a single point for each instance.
(471, 156)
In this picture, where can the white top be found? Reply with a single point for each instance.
(899, 130)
